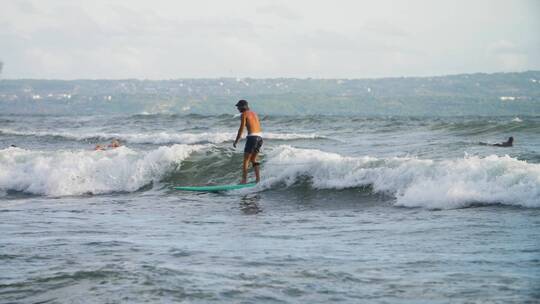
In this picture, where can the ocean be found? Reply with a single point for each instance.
(372, 191)
(351, 208)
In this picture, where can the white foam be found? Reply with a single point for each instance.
(413, 182)
(161, 137)
(292, 136)
(60, 173)
(517, 119)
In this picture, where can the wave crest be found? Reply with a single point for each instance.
(60, 173)
(159, 137)
(413, 182)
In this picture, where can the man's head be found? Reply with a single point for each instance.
(242, 105)
(510, 139)
(115, 143)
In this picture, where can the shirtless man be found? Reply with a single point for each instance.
(254, 140)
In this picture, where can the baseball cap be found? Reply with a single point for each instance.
(242, 103)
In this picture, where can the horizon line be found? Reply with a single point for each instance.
(268, 78)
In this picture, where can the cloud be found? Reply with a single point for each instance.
(504, 47)
(168, 39)
(508, 55)
(279, 11)
(360, 42)
(381, 27)
(25, 7)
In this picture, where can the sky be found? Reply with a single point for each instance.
(158, 39)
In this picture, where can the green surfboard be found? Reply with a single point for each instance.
(216, 188)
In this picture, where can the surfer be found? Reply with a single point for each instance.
(254, 140)
(508, 143)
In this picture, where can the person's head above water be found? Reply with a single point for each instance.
(115, 143)
(510, 139)
(242, 105)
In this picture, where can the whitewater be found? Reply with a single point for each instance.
(390, 209)
(412, 182)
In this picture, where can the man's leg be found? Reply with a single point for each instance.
(255, 164)
(245, 164)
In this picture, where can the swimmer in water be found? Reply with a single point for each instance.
(508, 143)
(114, 144)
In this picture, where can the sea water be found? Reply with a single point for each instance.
(351, 208)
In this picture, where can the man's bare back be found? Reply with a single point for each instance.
(252, 122)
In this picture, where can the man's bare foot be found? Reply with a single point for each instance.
(242, 182)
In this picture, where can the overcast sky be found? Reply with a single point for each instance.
(68, 39)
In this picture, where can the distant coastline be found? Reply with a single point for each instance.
(463, 94)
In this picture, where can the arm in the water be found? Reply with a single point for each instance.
(241, 129)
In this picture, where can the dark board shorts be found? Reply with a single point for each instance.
(253, 144)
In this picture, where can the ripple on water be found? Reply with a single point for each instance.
(39, 285)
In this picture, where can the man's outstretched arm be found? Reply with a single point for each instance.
(241, 129)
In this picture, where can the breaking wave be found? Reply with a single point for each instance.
(61, 173)
(413, 182)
